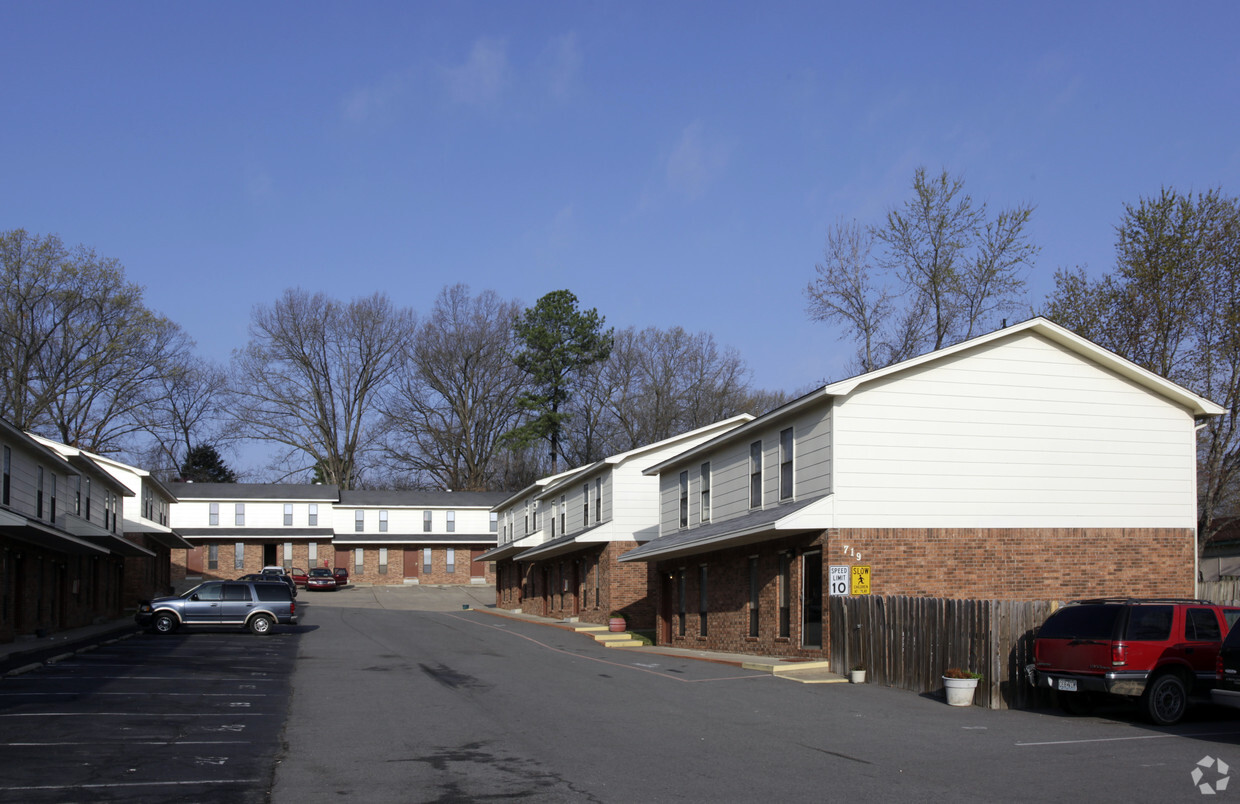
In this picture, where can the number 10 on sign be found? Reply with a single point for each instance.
(840, 580)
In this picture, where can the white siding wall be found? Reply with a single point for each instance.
(1020, 434)
(22, 488)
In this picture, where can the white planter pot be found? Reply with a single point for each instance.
(959, 690)
(856, 676)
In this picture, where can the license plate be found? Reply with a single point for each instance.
(1066, 685)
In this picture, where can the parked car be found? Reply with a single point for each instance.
(298, 575)
(342, 576)
(1227, 671)
(282, 574)
(273, 577)
(321, 579)
(1157, 652)
(256, 605)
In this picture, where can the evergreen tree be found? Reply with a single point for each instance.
(203, 464)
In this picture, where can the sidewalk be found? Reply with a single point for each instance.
(806, 672)
(28, 653)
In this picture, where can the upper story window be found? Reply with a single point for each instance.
(38, 494)
(359, 520)
(77, 496)
(148, 503)
(563, 510)
(288, 514)
(239, 514)
(598, 499)
(553, 520)
(383, 522)
(684, 499)
(785, 464)
(537, 518)
(527, 517)
(704, 514)
(755, 474)
(87, 493)
(426, 521)
(494, 522)
(52, 499)
(314, 515)
(451, 522)
(585, 505)
(213, 513)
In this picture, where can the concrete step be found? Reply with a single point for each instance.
(781, 668)
(611, 636)
(623, 643)
(588, 627)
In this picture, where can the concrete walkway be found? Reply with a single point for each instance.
(28, 653)
(803, 671)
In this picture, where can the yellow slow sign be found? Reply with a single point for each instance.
(861, 580)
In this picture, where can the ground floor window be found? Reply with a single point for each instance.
(451, 559)
(288, 555)
(682, 595)
(239, 555)
(359, 563)
(383, 560)
(213, 556)
(811, 599)
(313, 547)
(785, 595)
(702, 608)
(754, 592)
(426, 560)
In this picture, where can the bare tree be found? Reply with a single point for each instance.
(456, 393)
(189, 411)
(948, 270)
(846, 291)
(1172, 305)
(84, 356)
(311, 379)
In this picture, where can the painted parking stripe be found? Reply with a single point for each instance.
(144, 693)
(117, 785)
(1125, 739)
(131, 714)
(128, 742)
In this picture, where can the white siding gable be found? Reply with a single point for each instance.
(1019, 433)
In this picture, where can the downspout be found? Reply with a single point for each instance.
(1196, 534)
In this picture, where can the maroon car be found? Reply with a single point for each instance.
(299, 575)
(321, 579)
(342, 576)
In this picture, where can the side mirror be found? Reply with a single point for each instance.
(194, 596)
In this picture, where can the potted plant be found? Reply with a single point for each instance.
(617, 622)
(959, 685)
(857, 674)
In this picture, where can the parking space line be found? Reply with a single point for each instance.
(132, 714)
(128, 742)
(1124, 739)
(144, 693)
(184, 783)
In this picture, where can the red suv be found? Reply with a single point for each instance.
(1156, 651)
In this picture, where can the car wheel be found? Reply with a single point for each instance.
(1165, 700)
(164, 624)
(1078, 703)
(261, 624)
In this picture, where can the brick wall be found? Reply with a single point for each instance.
(44, 590)
(1021, 564)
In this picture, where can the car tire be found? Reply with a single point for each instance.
(1165, 700)
(164, 623)
(261, 624)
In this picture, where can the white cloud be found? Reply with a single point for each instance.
(696, 161)
(481, 79)
(563, 57)
(365, 103)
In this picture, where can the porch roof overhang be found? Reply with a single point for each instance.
(170, 538)
(96, 534)
(770, 523)
(563, 544)
(21, 529)
(359, 539)
(201, 535)
(509, 549)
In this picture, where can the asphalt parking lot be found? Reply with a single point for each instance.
(191, 717)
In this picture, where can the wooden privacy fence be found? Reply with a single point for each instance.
(1219, 591)
(907, 642)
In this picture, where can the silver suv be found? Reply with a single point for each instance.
(257, 605)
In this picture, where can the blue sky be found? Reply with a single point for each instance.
(670, 163)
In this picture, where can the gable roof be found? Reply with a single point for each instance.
(1175, 394)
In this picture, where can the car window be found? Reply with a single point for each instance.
(210, 592)
(1231, 615)
(1201, 625)
(272, 592)
(236, 591)
(1149, 623)
(1081, 622)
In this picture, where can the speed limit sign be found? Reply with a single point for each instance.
(840, 580)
